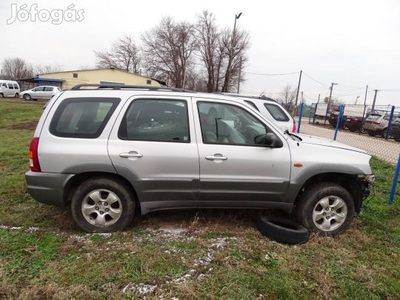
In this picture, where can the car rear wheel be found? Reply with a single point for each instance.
(325, 208)
(27, 97)
(102, 205)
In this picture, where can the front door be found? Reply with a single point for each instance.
(235, 171)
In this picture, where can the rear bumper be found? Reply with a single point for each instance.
(47, 188)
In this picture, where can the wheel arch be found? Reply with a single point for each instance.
(347, 181)
(76, 180)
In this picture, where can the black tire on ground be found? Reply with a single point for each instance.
(27, 97)
(102, 205)
(325, 208)
(282, 230)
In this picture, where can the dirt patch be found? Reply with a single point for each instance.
(25, 126)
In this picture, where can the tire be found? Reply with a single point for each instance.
(27, 97)
(325, 208)
(282, 230)
(1, 95)
(114, 210)
(16, 95)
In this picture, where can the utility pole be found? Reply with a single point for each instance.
(329, 100)
(298, 87)
(373, 102)
(230, 58)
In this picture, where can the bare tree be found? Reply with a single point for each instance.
(16, 69)
(168, 51)
(124, 55)
(208, 36)
(288, 97)
(235, 45)
(45, 69)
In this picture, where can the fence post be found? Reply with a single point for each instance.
(315, 113)
(300, 116)
(338, 121)
(390, 124)
(394, 184)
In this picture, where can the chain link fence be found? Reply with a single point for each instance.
(373, 129)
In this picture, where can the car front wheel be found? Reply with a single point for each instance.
(27, 97)
(325, 208)
(102, 205)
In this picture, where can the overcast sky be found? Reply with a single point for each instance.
(353, 43)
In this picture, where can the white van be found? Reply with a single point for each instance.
(9, 88)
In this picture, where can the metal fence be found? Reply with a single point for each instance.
(337, 125)
(350, 125)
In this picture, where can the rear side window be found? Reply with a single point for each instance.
(156, 120)
(82, 118)
(276, 112)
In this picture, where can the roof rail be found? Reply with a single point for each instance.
(251, 97)
(94, 86)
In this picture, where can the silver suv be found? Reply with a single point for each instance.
(114, 152)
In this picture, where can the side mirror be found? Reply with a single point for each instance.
(269, 140)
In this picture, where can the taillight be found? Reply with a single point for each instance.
(294, 127)
(376, 122)
(33, 155)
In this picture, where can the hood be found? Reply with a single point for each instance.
(314, 140)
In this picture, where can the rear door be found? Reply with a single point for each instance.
(235, 171)
(153, 145)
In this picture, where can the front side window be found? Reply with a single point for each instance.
(38, 89)
(229, 124)
(276, 112)
(156, 120)
(82, 117)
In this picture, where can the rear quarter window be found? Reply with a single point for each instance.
(82, 117)
(277, 112)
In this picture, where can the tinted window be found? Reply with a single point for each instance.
(16, 86)
(276, 112)
(48, 88)
(228, 124)
(82, 118)
(38, 89)
(156, 120)
(10, 86)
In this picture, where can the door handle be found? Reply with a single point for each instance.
(131, 154)
(216, 157)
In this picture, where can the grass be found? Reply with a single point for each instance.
(203, 254)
